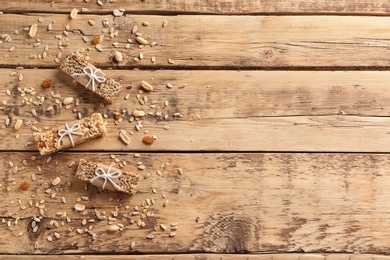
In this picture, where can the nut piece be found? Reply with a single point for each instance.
(68, 100)
(118, 56)
(47, 83)
(73, 13)
(56, 181)
(124, 137)
(141, 40)
(79, 207)
(33, 30)
(138, 113)
(146, 86)
(148, 140)
(18, 124)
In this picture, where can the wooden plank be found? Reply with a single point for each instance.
(378, 7)
(208, 257)
(274, 111)
(223, 203)
(210, 41)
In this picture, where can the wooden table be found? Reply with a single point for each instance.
(272, 143)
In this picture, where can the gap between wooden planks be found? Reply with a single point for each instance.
(223, 203)
(359, 7)
(244, 111)
(195, 42)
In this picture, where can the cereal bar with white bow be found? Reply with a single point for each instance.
(107, 177)
(84, 73)
(70, 134)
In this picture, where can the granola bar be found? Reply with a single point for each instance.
(107, 177)
(77, 66)
(71, 134)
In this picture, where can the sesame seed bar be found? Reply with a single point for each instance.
(84, 73)
(71, 134)
(103, 176)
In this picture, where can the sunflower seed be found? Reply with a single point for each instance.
(124, 137)
(73, 13)
(138, 113)
(164, 24)
(18, 124)
(141, 40)
(146, 86)
(135, 29)
(33, 30)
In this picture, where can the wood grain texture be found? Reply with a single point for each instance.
(245, 111)
(274, 203)
(197, 41)
(379, 7)
(210, 257)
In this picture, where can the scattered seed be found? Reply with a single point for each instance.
(73, 13)
(165, 203)
(18, 124)
(132, 245)
(79, 207)
(180, 171)
(56, 181)
(24, 185)
(169, 85)
(71, 164)
(49, 27)
(68, 100)
(118, 56)
(56, 235)
(146, 86)
(92, 23)
(163, 227)
(20, 77)
(148, 140)
(150, 236)
(113, 228)
(135, 29)
(124, 137)
(63, 200)
(164, 24)
(118, 13)
(48, 160)
(139, 113)
(172, 234)
(47, 83)
(33, 30)
(141, 40)
(170, 61)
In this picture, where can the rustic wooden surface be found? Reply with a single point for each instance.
(272, 144)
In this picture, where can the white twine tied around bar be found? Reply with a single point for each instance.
(107, 176)
(68, 132)
(88, 71)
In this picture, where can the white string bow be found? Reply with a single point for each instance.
(88, 71)
(107, 176)
(68, 132)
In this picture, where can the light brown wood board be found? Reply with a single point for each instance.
(222, 203)
(196, 42)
